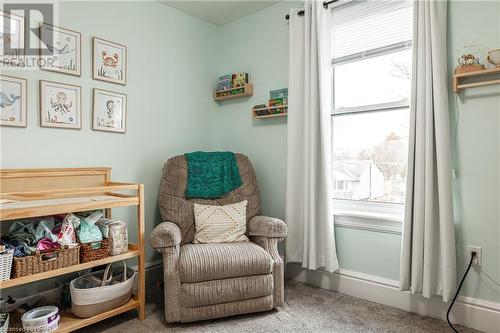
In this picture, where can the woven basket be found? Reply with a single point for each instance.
(6, 264)
(92, 294)
(45, 261)
(94, 251)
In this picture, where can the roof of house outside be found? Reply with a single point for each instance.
(350, 170)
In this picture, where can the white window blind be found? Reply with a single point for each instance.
(361, 26)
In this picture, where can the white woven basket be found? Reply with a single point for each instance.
(89, 298)
(6, 264)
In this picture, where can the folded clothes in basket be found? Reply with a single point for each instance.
(29, 235)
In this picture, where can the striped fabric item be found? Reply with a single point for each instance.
(220, 224)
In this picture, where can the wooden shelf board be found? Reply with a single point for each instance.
(271, 115)
(46, 207)
(248, 91)
(477, 84)
(457, 85)
(490, 71)
(133, 252)
(70, 323)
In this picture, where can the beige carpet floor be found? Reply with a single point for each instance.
(307, 309)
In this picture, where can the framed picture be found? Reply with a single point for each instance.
(11, 39)
(65, 46)
(12, 101)
(109, 111)
(109, 61)
(60, 105)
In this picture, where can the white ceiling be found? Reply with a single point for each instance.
(219, 12)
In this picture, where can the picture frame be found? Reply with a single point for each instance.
(109, 111)
(109, 61)
(12, 46)
(60, 105)
(66, 48)
(13, 99)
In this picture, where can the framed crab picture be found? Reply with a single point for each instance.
(109, 61)
(60, 105)
(12, 101)
(109, 111)
(63, 46)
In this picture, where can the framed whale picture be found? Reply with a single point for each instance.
(12, 101)
(60, 105)
(109, 61)
(109, 111)
(63, 47)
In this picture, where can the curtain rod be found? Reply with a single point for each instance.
(301, 12)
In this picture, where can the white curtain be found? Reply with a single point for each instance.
(428, 259)
(309, 214)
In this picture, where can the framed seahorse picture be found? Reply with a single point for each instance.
(11, 39)
(12, 101)
(109, 111)
(109, 61)
(60, 105)
(60, 50)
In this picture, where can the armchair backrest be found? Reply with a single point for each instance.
(176, 208)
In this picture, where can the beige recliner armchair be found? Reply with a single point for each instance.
(206, 281)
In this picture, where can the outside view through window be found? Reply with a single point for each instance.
(370, 127)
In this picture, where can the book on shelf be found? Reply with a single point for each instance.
(224, 82)
(239, 79)
(279, 93)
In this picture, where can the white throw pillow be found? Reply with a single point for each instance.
(220, 224)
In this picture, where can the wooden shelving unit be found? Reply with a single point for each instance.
(247, 91)
(457, 79)
(272, 112)
(41, 192)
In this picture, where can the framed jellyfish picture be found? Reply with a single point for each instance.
(60, 105)
(60, 50)
(109, 61)
(109, 111)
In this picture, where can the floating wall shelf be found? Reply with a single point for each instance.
(270, 112)
(457, 85)
(236, 92)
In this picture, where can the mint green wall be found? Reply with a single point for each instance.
(173, 62)
(258, 44)
(477, 147)
(169, 89)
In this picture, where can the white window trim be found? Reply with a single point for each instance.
(369, 216)
(364, 215)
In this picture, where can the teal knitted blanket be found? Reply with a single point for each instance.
(211, 174)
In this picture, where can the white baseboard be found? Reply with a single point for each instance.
(467, 311)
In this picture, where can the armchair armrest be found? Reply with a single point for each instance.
(264, 226)
(166, 234)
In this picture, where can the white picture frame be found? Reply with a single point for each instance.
(109, 111)
(12, 46)
(60, 105)
(109, 61)
(13, 98)
(66, 48)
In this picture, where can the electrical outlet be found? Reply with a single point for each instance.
(477, 262)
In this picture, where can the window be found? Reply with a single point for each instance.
(371, 47)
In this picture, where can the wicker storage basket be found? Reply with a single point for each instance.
(93, 294)
(94, 251)
(6, 264)
(45, 261)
